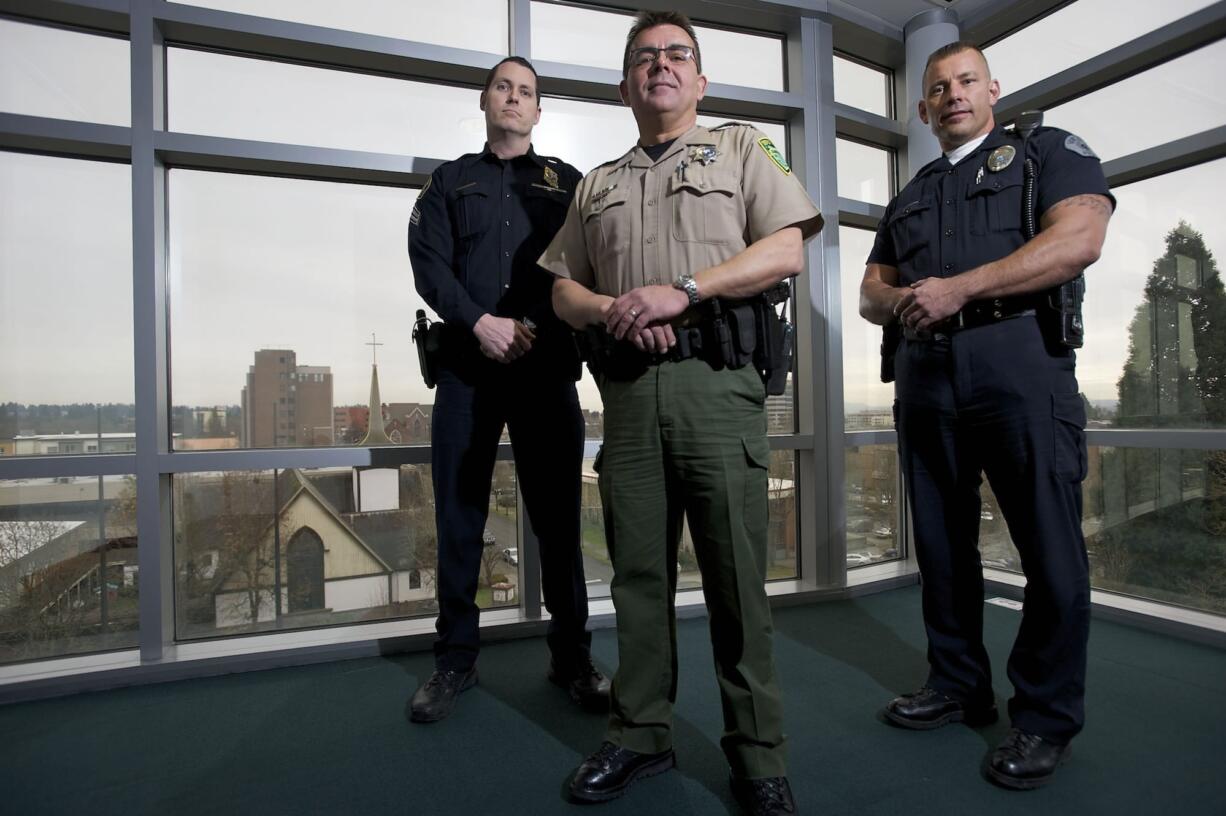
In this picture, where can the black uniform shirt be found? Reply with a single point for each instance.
(952, 218)
(475, 234)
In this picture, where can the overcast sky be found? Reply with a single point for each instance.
(316, 267)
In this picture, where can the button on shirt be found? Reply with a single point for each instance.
(637, 221)
(953, 218)
(477, 229)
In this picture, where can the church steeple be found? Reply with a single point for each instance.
(376, 434)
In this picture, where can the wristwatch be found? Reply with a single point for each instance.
(687, 284)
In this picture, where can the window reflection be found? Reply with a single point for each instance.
(1154, 523)
(1154, 306)
(64, 74)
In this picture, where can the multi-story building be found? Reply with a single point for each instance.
(286, 404)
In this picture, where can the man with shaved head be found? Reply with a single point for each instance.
(985, 383)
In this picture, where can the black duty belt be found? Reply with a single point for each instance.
(973, 315)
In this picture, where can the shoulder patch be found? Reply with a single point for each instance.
(1077, 145)
(772, 152)
(728, 125)
(415, 216)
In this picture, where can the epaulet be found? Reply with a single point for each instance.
(614, 161)
(728, 125)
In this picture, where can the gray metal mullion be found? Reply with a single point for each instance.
(820, 393)
(999, 18)
(218, 153)
(149, 307)
(1177, 154)
(1175, 39)
(1190, 439)
(49, 467)
(795, 441)
(856, 439)
(855, 213)
(42, 134)
(869, 127)
(300, 42)
(285, 458)
(101, 15)
(519, 30)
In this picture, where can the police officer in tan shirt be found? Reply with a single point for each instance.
(687, 215)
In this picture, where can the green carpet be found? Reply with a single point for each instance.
(333, 738)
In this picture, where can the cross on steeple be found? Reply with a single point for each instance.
(374, 350)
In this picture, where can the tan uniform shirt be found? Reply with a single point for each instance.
(637, 222)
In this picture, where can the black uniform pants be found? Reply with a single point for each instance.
(547, 433)
(994, 400)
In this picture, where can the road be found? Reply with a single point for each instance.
(598, 573)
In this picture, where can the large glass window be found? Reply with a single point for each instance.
(871, 480)
(66, 383)
(862, 86)
(334, 545)
(585, 36)
(223, 95)
(301, 250)
(864, 172)
(1181, 98)
(484, 21)
(69, 575)
(304, 273)
(1154, 523)
(1075, 33)
(64, 74)
(867, 400)
(1154, 309)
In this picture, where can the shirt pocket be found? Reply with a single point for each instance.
(606, 221)
(546, 210)
(996, 202)
(472, 210)
(912, 227)
(704, 203)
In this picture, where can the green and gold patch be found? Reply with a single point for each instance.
(768, 147)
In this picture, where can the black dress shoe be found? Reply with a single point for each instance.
(928, 708)
(586, 685)
(1024, 760)
(436, 697)
(764, 797)
(607, 773)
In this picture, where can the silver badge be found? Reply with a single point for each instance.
(1001, 157)
(1078, 146)
(704, 154)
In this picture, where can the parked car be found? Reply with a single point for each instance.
(511, 554)
(858, 559)
(487, 538)
(883, 530)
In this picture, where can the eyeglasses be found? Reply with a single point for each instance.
(675, 54)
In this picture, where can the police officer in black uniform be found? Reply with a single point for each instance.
(986, 384)
(478, 227)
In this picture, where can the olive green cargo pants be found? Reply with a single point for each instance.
(684, 441)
